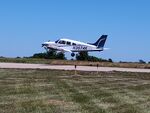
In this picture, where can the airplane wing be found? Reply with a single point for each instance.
(67, 50)
(63, 49)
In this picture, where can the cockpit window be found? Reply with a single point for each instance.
(74, 44)
(68, 43)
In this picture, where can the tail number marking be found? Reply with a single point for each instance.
(79, 47)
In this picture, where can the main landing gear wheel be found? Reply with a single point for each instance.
(72, 54)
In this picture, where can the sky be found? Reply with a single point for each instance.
(26, 24)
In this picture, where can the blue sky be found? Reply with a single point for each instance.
(25, 24)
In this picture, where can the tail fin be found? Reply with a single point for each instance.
(101, 41)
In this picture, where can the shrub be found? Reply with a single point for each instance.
(142, 62)
(49, 55)
(83, 56)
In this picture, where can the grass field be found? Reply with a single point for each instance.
(51, 91)
(74, 62)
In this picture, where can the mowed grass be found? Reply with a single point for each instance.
(51, 91)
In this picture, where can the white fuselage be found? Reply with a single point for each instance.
(67, 45)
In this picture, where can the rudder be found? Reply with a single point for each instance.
(101, 41)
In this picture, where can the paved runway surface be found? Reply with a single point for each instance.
(69, 67)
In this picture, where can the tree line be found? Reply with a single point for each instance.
(50, 55)
(81, 56)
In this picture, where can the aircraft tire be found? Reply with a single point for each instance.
(72, 54)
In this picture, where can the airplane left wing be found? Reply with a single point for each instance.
(67, 50)
(60, 48)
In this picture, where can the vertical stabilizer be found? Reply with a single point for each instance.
(101, 41)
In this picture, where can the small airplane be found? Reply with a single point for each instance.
(72, 46)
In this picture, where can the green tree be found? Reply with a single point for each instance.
(82, 56)
(50, 55)
(85, 57)
(39, 55)
(110, 60)
(60, 55)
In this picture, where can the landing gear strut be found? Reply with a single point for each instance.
(72, 54)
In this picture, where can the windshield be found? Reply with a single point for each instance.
(56, 41)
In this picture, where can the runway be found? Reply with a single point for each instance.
(69, 67)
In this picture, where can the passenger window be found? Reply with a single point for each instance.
(68, 43)
(73, 44)
(62, 42)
